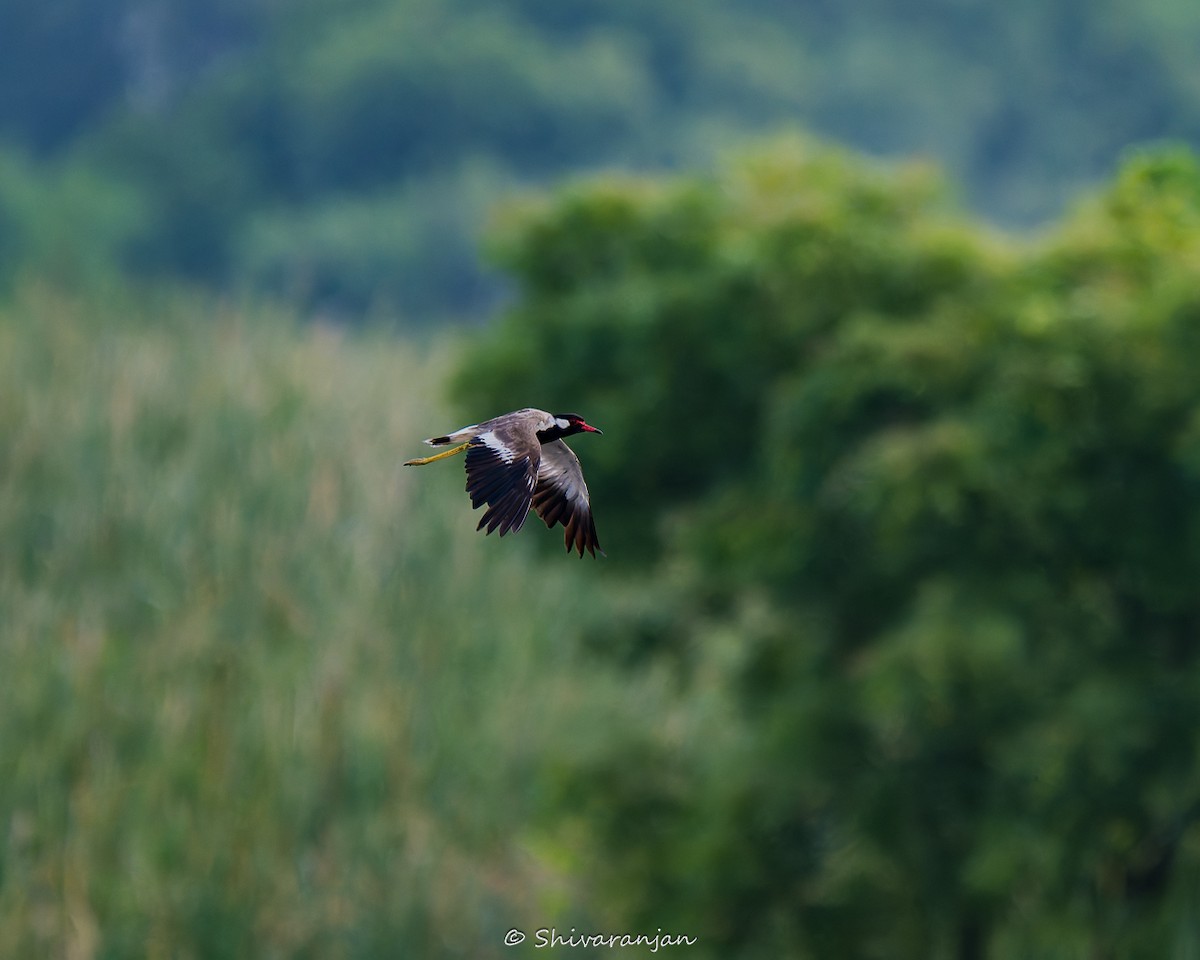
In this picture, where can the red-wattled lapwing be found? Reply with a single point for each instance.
(519, 460)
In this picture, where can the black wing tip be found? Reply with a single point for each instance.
(505, 488)
(494, 525)
(580, 541)
(507, 516)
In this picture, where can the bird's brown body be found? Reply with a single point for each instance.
(518, 461)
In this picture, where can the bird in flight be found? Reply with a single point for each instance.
(517, 461)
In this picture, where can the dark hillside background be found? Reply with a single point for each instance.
(343, 154)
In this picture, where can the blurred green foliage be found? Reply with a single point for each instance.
(894, 653)
(267, 694)
(920, 507)
(277, 147)
(63, 224)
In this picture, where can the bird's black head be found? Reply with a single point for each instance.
(566, 424)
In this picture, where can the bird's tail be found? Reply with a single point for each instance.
(454, 436)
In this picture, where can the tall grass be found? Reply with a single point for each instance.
(266, 693)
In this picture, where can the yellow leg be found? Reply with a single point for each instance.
(421, 461)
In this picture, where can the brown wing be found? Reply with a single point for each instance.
(561, 496)
(502, 472)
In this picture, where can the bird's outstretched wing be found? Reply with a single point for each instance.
(561, 496)
(502, 478)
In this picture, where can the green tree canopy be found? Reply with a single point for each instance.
(922, 507)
